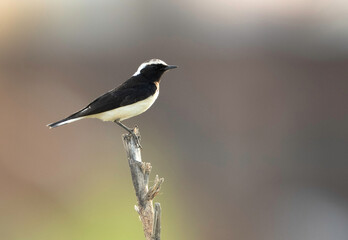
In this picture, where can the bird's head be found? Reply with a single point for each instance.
(153, 69)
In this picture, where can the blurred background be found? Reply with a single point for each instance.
(250, 133)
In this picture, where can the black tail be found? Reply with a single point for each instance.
(72, 118)
(63, 122)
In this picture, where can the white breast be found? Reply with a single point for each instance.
(128, 111)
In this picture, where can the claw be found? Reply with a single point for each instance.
(137, 140)
(132, 132)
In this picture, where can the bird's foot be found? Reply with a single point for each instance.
(137, 140)
(136, 136)
(134, 132)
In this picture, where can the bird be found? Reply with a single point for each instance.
(131, 98)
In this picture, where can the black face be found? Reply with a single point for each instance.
(154, 72)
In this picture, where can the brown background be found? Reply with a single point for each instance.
(250, 132)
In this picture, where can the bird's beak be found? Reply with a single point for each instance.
(170, 67)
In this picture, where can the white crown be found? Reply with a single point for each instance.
(149, 62)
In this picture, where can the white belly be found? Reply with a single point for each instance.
(128, 111)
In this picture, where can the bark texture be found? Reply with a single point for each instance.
(140, 171)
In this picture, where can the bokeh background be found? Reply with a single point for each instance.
(250, 132)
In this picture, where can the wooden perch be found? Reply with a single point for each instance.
(140, 171)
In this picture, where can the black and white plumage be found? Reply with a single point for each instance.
(130, 99)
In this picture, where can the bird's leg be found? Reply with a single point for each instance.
(131, 131)
(124, 127)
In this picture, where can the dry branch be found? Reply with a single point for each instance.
(140, 171)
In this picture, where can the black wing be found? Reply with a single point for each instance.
(133, 90)
(123, 95)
